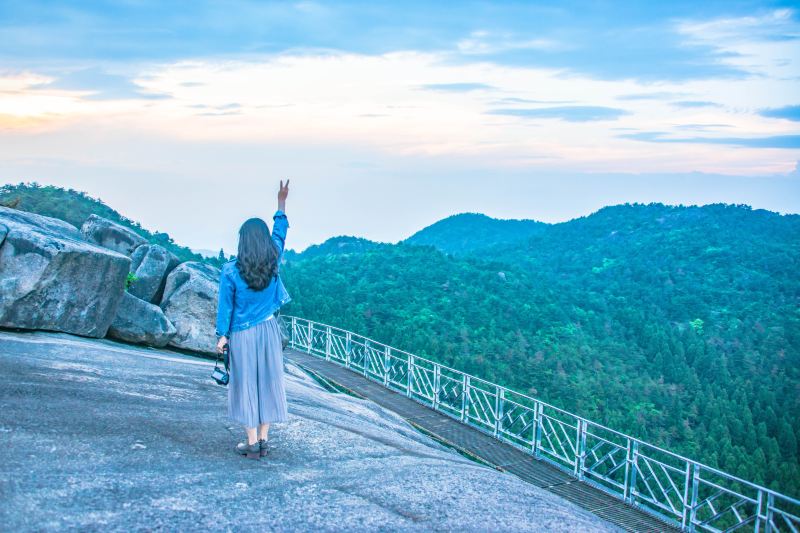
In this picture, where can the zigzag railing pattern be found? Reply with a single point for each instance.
(683, 492)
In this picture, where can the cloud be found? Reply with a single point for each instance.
(456, 87)
(762, 44)
(774, 141)
(484, 42)
(789, 112)
(775, 25)
(662, 95)
(512, 101)
(567, 113)
(621, 41)
(701, 127)
(101, 85)
(695, 103)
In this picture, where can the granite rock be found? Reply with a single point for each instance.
(190, 303)
(99, 435)
(111, 235)
(141, 322)
(52, 279)
(151, 263)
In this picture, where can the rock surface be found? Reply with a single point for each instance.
(111, 235)
(102, 436)
(141, 322)
(151, 263)
(190, 303)
(51, 279)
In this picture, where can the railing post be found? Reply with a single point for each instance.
(367, 358)
(310, 335)
(437, 372)
(770, 512)
(409, 376)
(499, 399)
(464, 395)
(294, 332)
(328, 343)
(687, 508)
(760, 518)
(386, 366)
(347, 348)
(695, 492)
(630, 469)
(538, 410)
(580, 449)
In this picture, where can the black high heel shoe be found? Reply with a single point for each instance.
(264, 447)
(251, 451)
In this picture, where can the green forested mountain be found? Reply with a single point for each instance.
(680, 325)
(336, 246)
(471, 232)
(75, 207)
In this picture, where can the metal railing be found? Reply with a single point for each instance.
(681, 491)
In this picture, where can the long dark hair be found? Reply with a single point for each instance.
(257, 259)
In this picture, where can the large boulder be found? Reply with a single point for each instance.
(52, 279)
(111, 235)
(190, 303)
(141, 322)
(151, 263)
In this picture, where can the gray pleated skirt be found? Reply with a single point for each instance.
(256, 393)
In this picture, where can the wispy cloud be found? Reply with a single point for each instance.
(567, 113)
(456, 87)
(762, 44)
(789, 112)
(101, 85)
(774, 141)
(695, 103)
(523, 101)
(701, 127)
(661, 95)
(486, 42)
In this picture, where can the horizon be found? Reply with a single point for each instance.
(388, 118)
(232, 251)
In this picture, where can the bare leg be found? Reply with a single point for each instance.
(263, 431)
(251, 435)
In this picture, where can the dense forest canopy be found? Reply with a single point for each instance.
(679, 325)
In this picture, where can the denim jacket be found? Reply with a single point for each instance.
(239, 306)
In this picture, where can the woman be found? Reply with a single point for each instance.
(250, 292)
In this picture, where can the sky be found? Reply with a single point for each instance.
(387, 117)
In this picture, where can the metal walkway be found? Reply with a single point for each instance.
(631, 482)
(484, 447)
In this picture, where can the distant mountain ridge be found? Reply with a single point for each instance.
(343, 244)
(75, 207)
(469, 232)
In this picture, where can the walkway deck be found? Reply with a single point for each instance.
(473, 442)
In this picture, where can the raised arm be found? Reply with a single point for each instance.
(280, 222)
